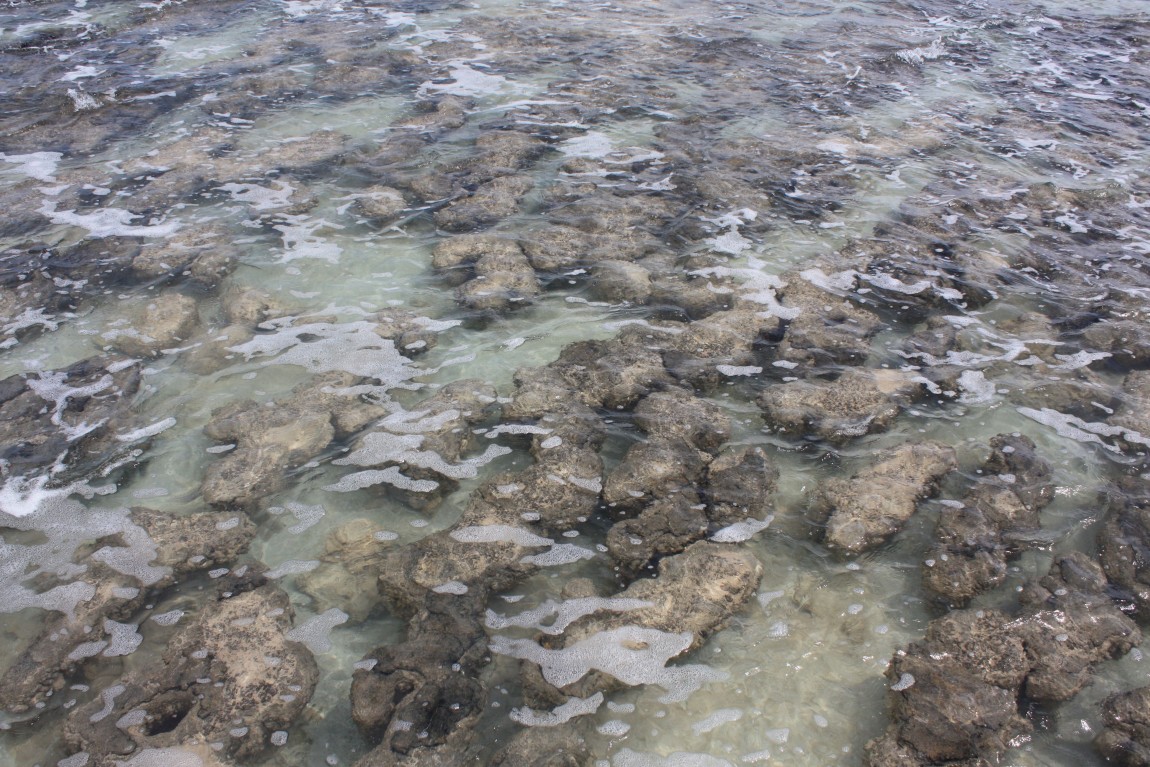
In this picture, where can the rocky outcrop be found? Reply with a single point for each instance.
(270, 441)
(493, 274)
(419, 454)
(231, 677)
(955, 695)
(1125, 738)
(695, 594)
(978, 535)
(159, 323)
(857, 514)
(858, 402)
(149, 556)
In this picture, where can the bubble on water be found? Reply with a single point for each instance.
(628, 758)
(565, 613)
(613, 728)
(632, 654)
(315, 632)
(565, 712)
(717, 719)
(292, 567)
(451, 587)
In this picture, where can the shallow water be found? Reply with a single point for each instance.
(756, 144)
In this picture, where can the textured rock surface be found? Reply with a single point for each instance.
(955, 695)
(230, 677)
(977, 536)
(862, 512)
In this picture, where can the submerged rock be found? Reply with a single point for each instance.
(270, 441)
(493, 201)
(863, 512)
(494, 273)
(157, 324)
(739, 485)
(418, 454)
(613, 375)
(1124, 550)
(70, 422)
(858, 402)
(828, 329)
(694, 595)
(421, 698)
(955, 695)
(977, 536)
(149, 556)
(1125, 739)
(230, 677)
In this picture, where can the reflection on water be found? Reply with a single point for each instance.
(391, 383)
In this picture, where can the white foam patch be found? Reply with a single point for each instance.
(560, 714)
(757, 284)
(170, 618)
(315, 632)
(559, 554)
(451, 587)
(261, 197)
(499, 534)
(467, 80)
(976, 389)
(628, 758)
(163, 757)
(123, 639)
(734, 371)
(922, 54)
(292, 567)
(1073, 427)
(147, 431)
(300, 240)
(390, 476)
(634, 655)
(305, 515)
(591, 144)
(716, 720)
(742, 531)
(38, 165)
(108, 222)
(353, 347)
(564, 613)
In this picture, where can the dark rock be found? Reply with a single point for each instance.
(151, 555)
(490, 203)
(214, 683)
(666, 526)
(1125, 739)
(955, 695)
(979, 535)
(739, 485)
